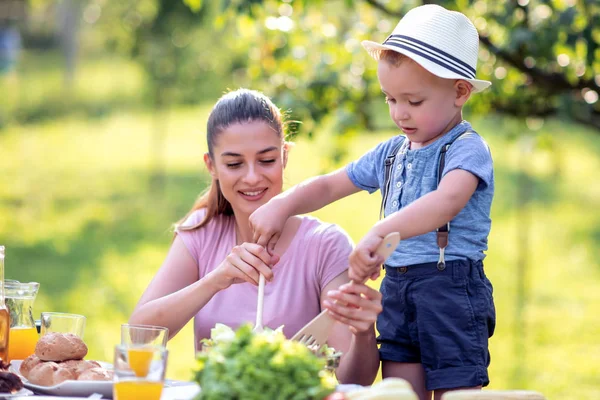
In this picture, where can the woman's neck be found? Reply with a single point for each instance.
(243, 232)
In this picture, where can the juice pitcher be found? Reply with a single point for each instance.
(4, 316)
(20, 297)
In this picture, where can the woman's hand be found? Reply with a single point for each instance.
(244, 264)
(356, 305)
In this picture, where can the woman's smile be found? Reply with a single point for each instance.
(253, 194)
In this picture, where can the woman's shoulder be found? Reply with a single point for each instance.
(196, 217)
(208, 238)
(314, 228)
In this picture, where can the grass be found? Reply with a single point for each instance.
(78, 214)
(40, 94)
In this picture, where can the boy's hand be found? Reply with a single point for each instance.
(267, 222)
(364, 263)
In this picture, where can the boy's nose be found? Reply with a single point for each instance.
(400, 114)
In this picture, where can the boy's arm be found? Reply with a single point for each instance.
(268, 220)
(423, 215)
(432, 210)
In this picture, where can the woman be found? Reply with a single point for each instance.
(212, 270)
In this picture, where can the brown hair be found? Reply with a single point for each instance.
(392, 57)
(239, 106)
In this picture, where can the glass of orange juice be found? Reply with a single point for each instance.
(139, 372)
(141, 335)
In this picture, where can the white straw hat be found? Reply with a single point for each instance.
(443, 42)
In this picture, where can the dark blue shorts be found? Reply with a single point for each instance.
(441, 319)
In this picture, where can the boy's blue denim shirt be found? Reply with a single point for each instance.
(414, 174)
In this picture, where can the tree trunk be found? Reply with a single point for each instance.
(69, 12)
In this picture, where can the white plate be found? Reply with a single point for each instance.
(38, 397)
(67, 388)
(21, 393)
(84, 389)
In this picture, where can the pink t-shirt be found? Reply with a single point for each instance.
(318, 253)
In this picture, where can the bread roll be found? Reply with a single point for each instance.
(49, 374)
(493, 395)
(56, 346)
(79, 366)
(95, 374)
(28, 364)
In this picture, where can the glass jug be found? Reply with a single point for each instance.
(23, 332)
(4, 317)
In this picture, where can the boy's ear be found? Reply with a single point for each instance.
(210, 166)
(463, 92)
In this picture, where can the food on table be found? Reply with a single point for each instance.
(336, 396)
(95, 374)
(79, 366)
(224, 333)
(387, 389)
(56, 346)
(265, 365)
(49, 374)
(57, 358)
(493, 395)
(28, 364)
(9, 382)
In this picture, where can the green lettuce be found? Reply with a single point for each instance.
(253, 366)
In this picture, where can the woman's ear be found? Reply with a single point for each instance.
(463, 92)
(210, 165)
(286, 150)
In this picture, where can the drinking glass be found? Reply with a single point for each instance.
(144, 335)
(141, 376)
(20, 297)
(63, 323)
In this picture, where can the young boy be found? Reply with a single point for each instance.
(438, 310)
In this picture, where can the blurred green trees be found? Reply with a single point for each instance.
(543, 56)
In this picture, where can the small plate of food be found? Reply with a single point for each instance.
(11, 384)
(57, 368)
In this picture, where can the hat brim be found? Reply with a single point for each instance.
(374, 49)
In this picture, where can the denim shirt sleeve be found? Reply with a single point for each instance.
(367, 173)
(471, 153)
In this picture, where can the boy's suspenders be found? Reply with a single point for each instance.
(389, 164)
(441, 232)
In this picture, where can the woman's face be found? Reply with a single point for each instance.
(248, 162)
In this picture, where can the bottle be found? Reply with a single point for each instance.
(4, 315)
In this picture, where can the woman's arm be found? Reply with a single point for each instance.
(355, 307)
(178, 287)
